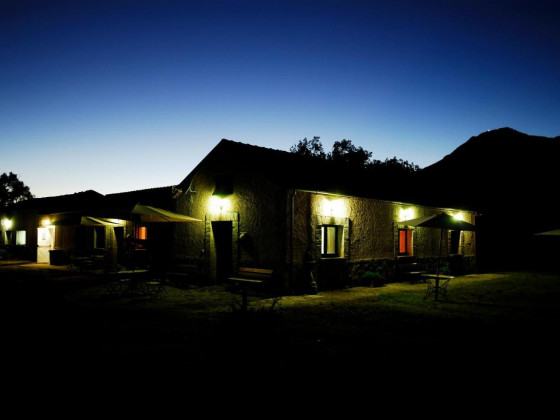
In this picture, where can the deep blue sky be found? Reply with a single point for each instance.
(123, 95)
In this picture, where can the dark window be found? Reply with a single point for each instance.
(223, 184)
(99, 237)
(455, 238)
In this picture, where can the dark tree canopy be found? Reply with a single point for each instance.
(309, 148)
(345, 152)
(395, 165)
(12, 190)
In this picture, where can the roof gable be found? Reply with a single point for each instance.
(285, 169)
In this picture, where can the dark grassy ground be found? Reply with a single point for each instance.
(494, 328)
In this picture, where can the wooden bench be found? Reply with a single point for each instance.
(248, 277)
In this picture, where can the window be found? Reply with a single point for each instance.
(10, 237)
(142, 233)
(454, 241)
(20, 237)
(331, 241)
(99, 237)
(223, 184)
(405, 242)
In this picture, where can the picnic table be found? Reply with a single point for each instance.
(436, 284)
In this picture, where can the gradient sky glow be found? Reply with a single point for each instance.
(123, 95)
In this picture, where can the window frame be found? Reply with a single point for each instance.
(455, 242)
(409, 241)
(338, 240)
(99, 237)
(18, 239)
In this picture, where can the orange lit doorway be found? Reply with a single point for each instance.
(405, 242)
(222, 242)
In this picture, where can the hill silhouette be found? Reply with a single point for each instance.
(509, 178)
(494, 169)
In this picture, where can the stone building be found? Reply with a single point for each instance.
(85, 225)
(298, 215)
(309, 220)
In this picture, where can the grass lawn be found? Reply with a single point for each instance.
(497, 322)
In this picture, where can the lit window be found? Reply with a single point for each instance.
(20, 237)
(405, 242)
(331, 241)
(142, 233)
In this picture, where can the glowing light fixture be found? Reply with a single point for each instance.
(335, 208)
(219, 204)
(45, 222)
(459, 216)
(406, 213)
(7, 223)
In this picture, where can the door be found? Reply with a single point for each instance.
(222, 242)
(45, 242)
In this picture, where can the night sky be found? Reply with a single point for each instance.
(124, 95)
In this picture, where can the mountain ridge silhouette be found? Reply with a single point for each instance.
(495, 167)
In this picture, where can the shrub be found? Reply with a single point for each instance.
(372, 278)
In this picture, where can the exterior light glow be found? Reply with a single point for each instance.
(334, 208)
(45, 222)
(219, 204)
(406, 213)
(7, 223)
(459, 216)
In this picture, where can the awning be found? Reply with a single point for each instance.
(94, 221)
(441, 221)
(154, 214)
(86, 221)
(142, 213)
(555, 232)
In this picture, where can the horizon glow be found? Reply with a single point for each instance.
(121, 96)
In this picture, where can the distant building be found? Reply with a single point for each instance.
(84, 225)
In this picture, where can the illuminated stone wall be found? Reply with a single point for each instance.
(280, 229)
(370, 235)
(256, 209)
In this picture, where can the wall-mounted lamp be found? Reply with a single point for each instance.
(406, 213)
(459, 216)
(45, 222)
(333, 208)
(219, 204)
(7, 223)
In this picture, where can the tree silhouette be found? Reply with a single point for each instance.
(12, 190)
(309, 148)
(346, 153)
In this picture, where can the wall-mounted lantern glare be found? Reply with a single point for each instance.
(219, 204)
(333, 208)
(459, 216)
(406, 213)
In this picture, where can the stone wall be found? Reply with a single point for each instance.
(281, 230)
